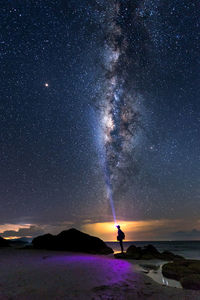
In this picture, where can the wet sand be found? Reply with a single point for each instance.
(41, 274)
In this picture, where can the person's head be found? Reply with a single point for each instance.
(118, 226)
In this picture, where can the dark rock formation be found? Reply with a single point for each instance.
(186, 271)
(4, 243)
(191, 282)
(72, 240)
(167, 255)
(146, 253)
(150, 249)
(46, 241)
(176, 270)
(134, 252)
(149, 252)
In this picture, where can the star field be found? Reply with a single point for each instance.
(87, 83)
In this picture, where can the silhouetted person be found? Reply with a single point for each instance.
(120, 237)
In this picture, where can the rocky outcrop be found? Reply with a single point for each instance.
(4, 243)
(191, 282)
(167, 255)
(146, 253)
(134, 252)
(186, 271)
(46, 241)
(72, 240)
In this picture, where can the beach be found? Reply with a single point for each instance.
(41, 274)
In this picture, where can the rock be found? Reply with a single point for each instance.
(167, 255)
(46, 241)
(148, 252)
(150, 249)
(175, 270)
(134, 252)
(4, 242)
(186, 271)
(195, 266)
(72, 240)
(191, 282)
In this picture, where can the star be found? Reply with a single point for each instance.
(46, 84)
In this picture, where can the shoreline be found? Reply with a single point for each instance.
(42, 274)
(148, 268)
(144, 266)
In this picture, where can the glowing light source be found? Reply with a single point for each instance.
(46, 84)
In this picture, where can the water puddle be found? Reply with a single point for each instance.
(154, 271)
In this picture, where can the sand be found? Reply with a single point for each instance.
(41, 274)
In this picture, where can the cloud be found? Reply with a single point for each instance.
(32, 231)
(187, 235)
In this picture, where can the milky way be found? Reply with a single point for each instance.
(120, 113)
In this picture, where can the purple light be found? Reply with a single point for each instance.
(103, 269)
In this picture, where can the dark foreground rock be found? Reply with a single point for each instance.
(191, 282)
(186, 271)
(4, 243)
(72, 240)
(146, 253)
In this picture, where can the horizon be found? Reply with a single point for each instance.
(114, 240)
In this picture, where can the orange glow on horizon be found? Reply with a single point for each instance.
(15, 227)
(12, 227)
(144, 230)
(16, 237)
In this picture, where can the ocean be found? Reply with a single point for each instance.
(188, 249)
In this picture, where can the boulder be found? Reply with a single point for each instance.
(191, 282)
(150, 249)
(4, 242)
(134, 252)
(149, 252)
(176, 270)
(46, 241)
(195, 266)
(72, 240)
(186, 271)
(167, 255)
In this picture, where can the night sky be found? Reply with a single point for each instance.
(100, 105)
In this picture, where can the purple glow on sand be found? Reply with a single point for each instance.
(103, 269)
